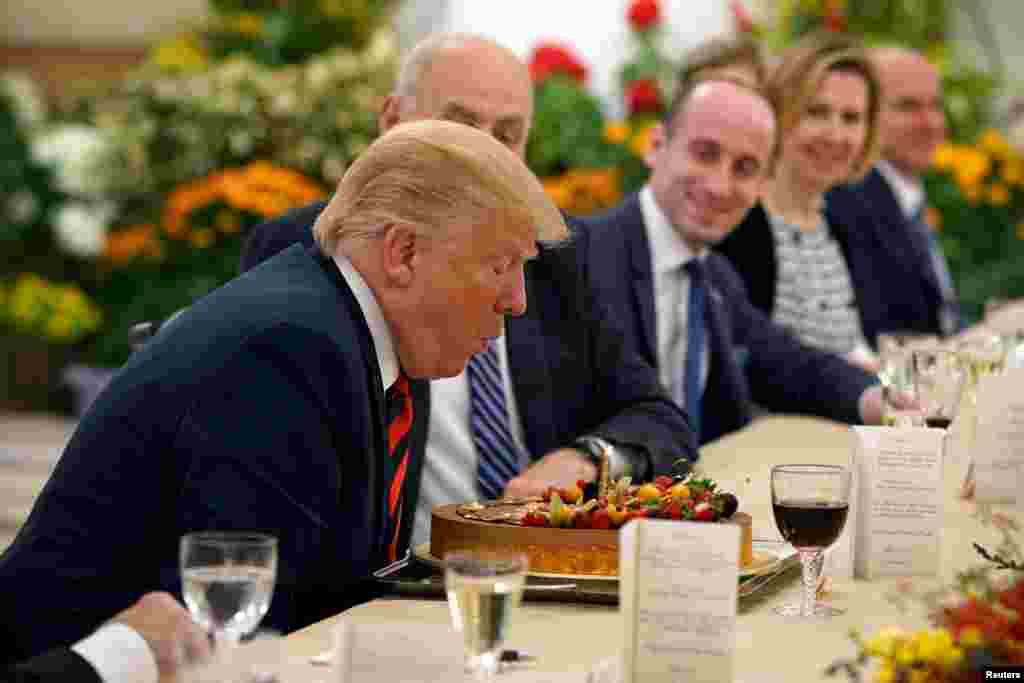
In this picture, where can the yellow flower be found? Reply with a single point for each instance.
(246, 24)
(972, 167)
(641, 142)
(945, 157)
(998, 194)
(993, 142)
(886, 674)
(201, 237)
(970, 637)
(952, 658)
(616, 132)
(182, 53)
(1013, 172)
(920, 676)
(933, 644)
(906, 655)
(60, 328)
(972, 193)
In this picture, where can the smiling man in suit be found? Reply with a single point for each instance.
(558, 389)
(684, 307)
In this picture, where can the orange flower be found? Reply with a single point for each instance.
(616, 132)
(1020, 230)
(998, 194)
(124, 245)
(933, 218)
(641, 142)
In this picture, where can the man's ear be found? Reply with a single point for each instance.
(390, 114)
(658, 140)
(400, 246)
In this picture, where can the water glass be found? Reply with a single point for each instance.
(810, 504)
(483, 591)
(894, 350)
(228, 580)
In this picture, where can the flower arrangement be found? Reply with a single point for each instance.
(272, 32)
(975, 623)
(648, 77)
(585, 163)
(976, 192)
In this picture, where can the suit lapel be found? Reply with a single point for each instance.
(642, 277)
(884, 201)
(529, 368)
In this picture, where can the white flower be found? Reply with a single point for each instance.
(81, 229)
(22, 206)
(26, 101)
(80, 156)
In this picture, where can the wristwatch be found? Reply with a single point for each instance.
(603, 455)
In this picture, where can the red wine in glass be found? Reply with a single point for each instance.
(810, 523)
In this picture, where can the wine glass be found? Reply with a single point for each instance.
(228, 580)
(483, 591)
(939, 381)
(810, 503)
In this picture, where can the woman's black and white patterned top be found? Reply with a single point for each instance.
(814, 296)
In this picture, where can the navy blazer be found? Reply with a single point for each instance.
(910, 264)
(751, 357)
(260, 408)
(55, 666)
(571, 371)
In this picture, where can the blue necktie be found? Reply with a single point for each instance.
(496, 451)
(694, 343)
(950, 315)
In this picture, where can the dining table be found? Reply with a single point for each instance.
(571, 641)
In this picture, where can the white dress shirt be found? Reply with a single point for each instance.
(119, 655)
(450, 470)
(671, 297)
(383, 342)
(909, 191)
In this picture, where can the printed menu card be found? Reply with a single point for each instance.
(897, 500)
(998, 450)
(678, 585)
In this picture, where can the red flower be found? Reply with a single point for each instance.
(643, 97)
(643, 14)
(550, 58)
(741, 17)
(835, 20)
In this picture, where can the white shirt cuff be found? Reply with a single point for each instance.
(119, 655)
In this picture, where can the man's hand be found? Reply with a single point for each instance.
(168, 629)
(561, 468)
(872, 403)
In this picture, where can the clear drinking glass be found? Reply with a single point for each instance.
(228, 580)
(810, 503)
(939, 382)
(894, 349)
(483, 591)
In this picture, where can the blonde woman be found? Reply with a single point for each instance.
(810, 268)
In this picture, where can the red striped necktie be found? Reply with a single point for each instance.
(399, 406)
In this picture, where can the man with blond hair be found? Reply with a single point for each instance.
(279, 402)
(558, 389)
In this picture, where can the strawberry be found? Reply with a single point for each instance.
(599, 519)
(534, 519)
(674, 510)
(663, 482)
(704, 512)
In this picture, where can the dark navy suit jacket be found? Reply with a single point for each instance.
(55, 666)
(260, 408)
(571, 372)
(886, 277)
(914, 278)
(751, 358)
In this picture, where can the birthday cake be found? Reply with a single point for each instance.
(576, 531)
